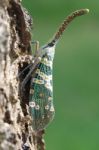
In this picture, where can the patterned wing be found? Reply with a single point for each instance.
(41, 95)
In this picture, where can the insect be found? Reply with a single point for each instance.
(41, 89)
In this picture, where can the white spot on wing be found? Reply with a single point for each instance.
(35, 80)
(46, 107)
(31, 91)
(37, 107)
(49, 98)
(32, 104)
(48, 86)
(52, 108)
(43, 75)
(47, 62)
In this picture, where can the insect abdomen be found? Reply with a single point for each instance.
(41, 95)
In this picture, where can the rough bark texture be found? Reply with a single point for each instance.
(15, 123)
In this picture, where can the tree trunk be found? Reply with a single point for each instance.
(15, 124)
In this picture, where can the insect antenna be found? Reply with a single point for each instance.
(65, 24)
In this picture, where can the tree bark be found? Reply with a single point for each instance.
(15, 124)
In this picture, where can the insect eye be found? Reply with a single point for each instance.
(51, 44)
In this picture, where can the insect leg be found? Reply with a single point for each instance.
(36, 62)
(37, 46)
(24, 70)
(33, 66)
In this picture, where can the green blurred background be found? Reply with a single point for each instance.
(76, 72)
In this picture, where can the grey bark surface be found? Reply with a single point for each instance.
(15, 123)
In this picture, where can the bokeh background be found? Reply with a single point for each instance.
(76, 72)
